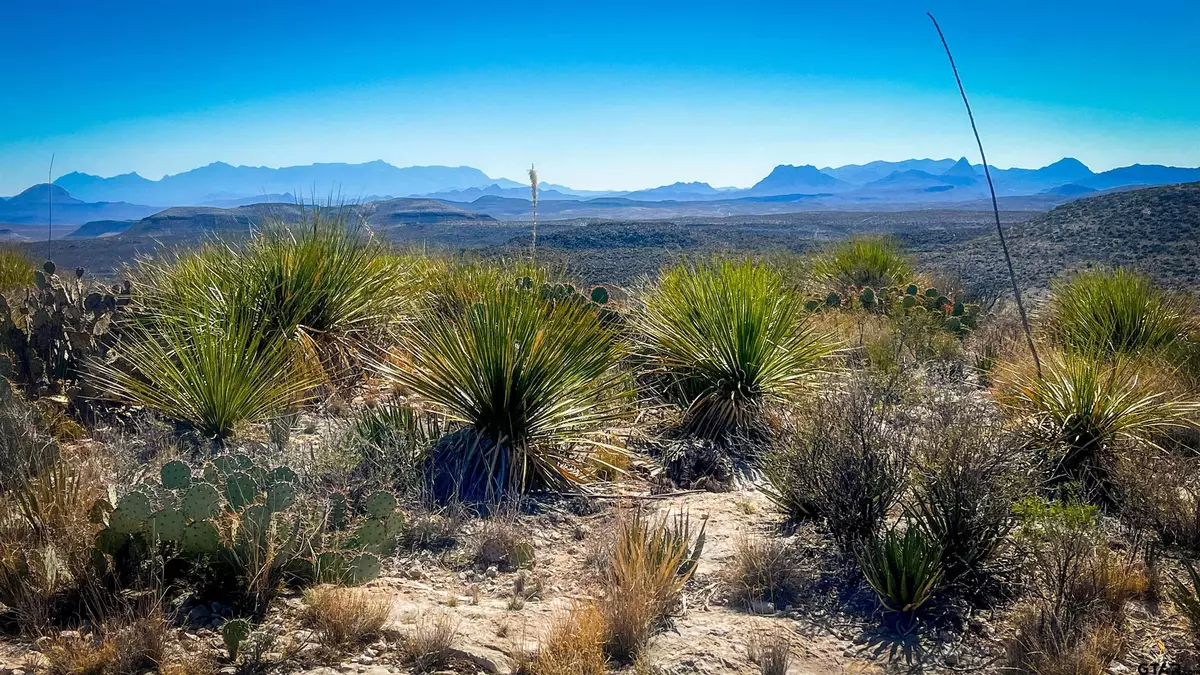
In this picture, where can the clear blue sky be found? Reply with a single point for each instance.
(599, 95)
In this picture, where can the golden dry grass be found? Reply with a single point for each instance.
(346, 617)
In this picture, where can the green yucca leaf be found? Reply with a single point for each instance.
(904, 569)
(726, 338)
(1085, 405)
(530, 379)
(864, 262)
(209, 373)
(1187, 596)
(1116, 312)
(16, 268)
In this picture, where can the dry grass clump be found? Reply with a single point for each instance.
(118, 648)
(430, 644)
(345, 617)
(1072, 619)
(762, 570)
(16, 268)
(501, 542)
(573, 645)
(772, 653)
(650, 562)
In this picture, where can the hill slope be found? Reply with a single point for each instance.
(1154, 230)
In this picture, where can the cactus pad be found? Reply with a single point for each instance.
(371, 533)
(234, 632)
(380, 504)
(225, 464)
(959, 308)
(168, 524)
(363, 568)
(867, 297)
(201, 501)
(833, 300)
(242, 461)
(176, 475)
(600, 295)
(280, 496)
(931, 292)
(201, 538)
(912, 289)
(393, 524)
(240, 490)
(908, 302)
(339, 511)
(282, 474)
(136, 503)
(110, 541)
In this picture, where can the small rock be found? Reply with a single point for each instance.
(861, 639)
(761, 607)
(951, 659)
(492, 572)
(1117, 668)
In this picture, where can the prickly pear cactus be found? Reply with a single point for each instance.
(600, 295)
(339, 511)
(867, 298)
(380, 504)
(234, 632)
(201, 538)
(833, 300)
(59, 324)
(201, 501)
(362, 568)
(176, 475)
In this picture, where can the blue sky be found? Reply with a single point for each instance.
(600, 95)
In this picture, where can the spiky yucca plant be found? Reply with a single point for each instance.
(904, 568)
(724, 339)
(1083, 407)
(1115, 312)
(16, 268)
(209, 373)
(870, 262)
(324, 283)
(1187, 596)
(534, 384)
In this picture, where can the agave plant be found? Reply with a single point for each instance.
(1115, 312)
(533, 382)
(209, 373)
(724, 339)
(904, 568)
(1083, 407)
(870, 262)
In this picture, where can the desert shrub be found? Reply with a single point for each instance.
(573, 645)
(970, 472)
(904, 567)
(762, 570)
(533, 383)
(16, 268)
(724, 339)
(864, 262)
(499, 541)
(844, 460)
(772, 653)
(650, 561)
(1072, 619)
(1160, 492)
(429, 645)
(324, 286)
(133, 645)
(1082, 410)
(345, 617)
(1115, 312)
(209, 373)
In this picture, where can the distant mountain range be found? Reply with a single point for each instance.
(907, 181)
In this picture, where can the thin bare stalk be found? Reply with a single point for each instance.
(533, 192)
(995, 206)
(50, 206)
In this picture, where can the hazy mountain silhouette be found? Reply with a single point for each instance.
(32, 206)
(786, 179)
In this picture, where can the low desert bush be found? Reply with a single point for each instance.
(429, 645)
(772, 653)
(904, 567)
(573, 645)
(345, 617)
(844, 460)
(1108, 312)
(115, 648)
(650, 561)
(723, 340)
(871, 262)
(1160, 492)
(762, 570)
(1083, 411)
(970, 472)
(1073, 616)
(532, 382)
(209, 373)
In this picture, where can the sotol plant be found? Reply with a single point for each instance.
(864, 262)
(532, 381)
(1107, 312)
(725, 339)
